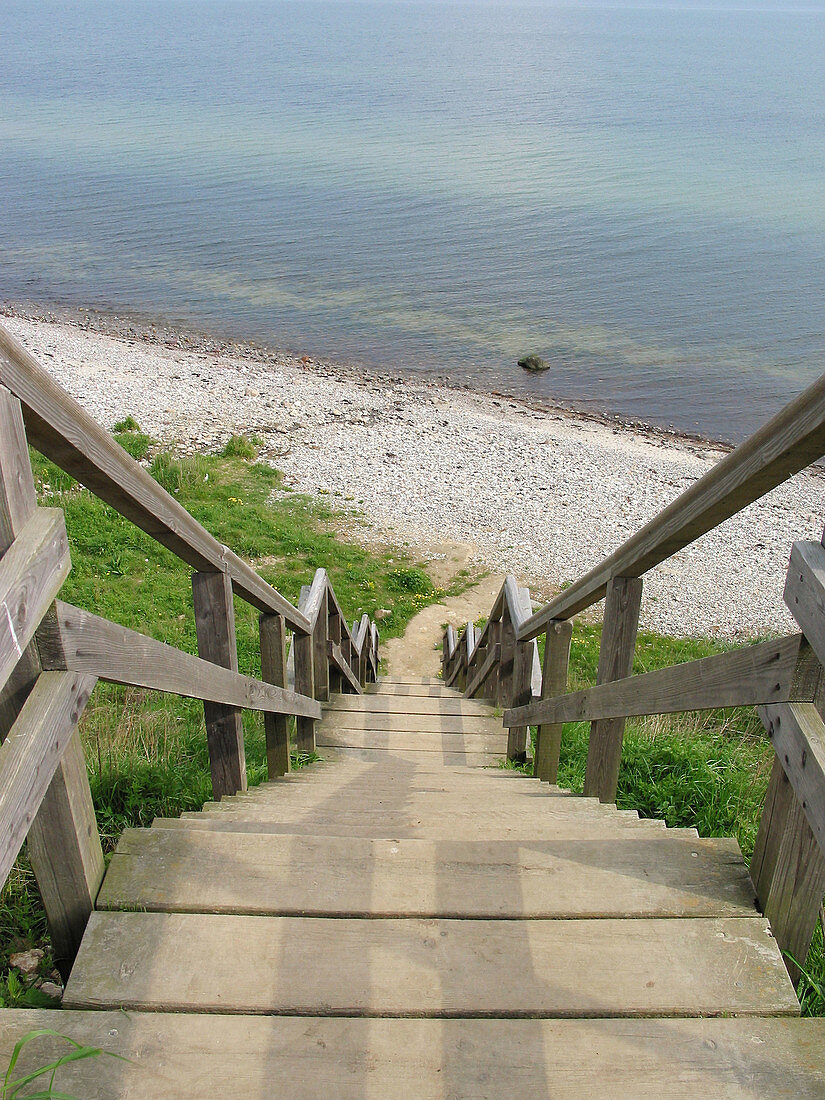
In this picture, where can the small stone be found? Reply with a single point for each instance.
(51, 989)
(27, 962)
(382, 613)
(534, 363)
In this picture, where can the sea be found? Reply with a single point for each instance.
(634, 192)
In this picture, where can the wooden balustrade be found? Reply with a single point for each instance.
(783, 678)
(52, 654)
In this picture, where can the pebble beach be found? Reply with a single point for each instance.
(544, 493)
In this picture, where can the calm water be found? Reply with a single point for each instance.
(635, 193)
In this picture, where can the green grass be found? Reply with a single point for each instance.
(146, 752)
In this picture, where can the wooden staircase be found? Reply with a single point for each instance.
(399, 920)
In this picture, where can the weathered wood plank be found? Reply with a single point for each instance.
(420, 741)
(554, 683)
(373, 703)
(59, 427)
(432, 967)
(789, 442)
(215, 627)
(30, 754)
(754, 675)
(198, 872)
(805, 592)
(413, 723)
(272, 633)
(32, 572)
(336, 657)
(618, 644)
(77, 641)
(491, 662)
(797, 733)
(180, 1056)
(63, 843)
(302, 647)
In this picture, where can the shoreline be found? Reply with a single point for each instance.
(543, 493)
(179, 335)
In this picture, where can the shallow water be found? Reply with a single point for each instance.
(635, 193)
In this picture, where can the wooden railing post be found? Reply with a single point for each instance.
(507, 637)
(305, 685)
(272, 630)
(788, 870)
(63, 841)
(618, 644)
(215, 626)
(334, 634)
(788, 864)
(320, 637)
(553, 683)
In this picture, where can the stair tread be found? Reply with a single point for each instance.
(434, 967)
(185, 1055)
(633, 875)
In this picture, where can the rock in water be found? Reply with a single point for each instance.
(534, 363)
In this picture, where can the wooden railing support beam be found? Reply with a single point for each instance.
(618, 644)
(215, 626)
(305, 685)
(554, 682)
(63, 841)
(272, 631)
(788, 871)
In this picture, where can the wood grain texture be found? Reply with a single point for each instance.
(618, 644)
(754, 675)
(305, 685)
(200, 872)
(32, 572)
(215, 627)
(181, 1056)
(483, 674)
(554, 683)
(78, 641)
(789, 442)
(272, 633)
(797, 733)
(431, 968)
(805, 592)
(63, 843)
(336, 658)
(30, 754)
(62, 430)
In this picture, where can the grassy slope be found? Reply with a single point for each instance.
(147, 752)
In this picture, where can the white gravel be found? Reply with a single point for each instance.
(543, 495)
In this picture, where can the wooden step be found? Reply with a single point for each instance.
(639, 876)
(397, 827)
(420, 802)
(386, 967)
(468, 724)
(542, 813)
(434, 689)
(178, 1057)
(411, 704)
(445, 758)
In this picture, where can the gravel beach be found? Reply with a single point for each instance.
(542, 494)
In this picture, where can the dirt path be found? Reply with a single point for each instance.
(417, 653)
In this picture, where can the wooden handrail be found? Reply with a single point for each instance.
(77, 641)
(792, 440)
(63, 431)
(754, 675)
